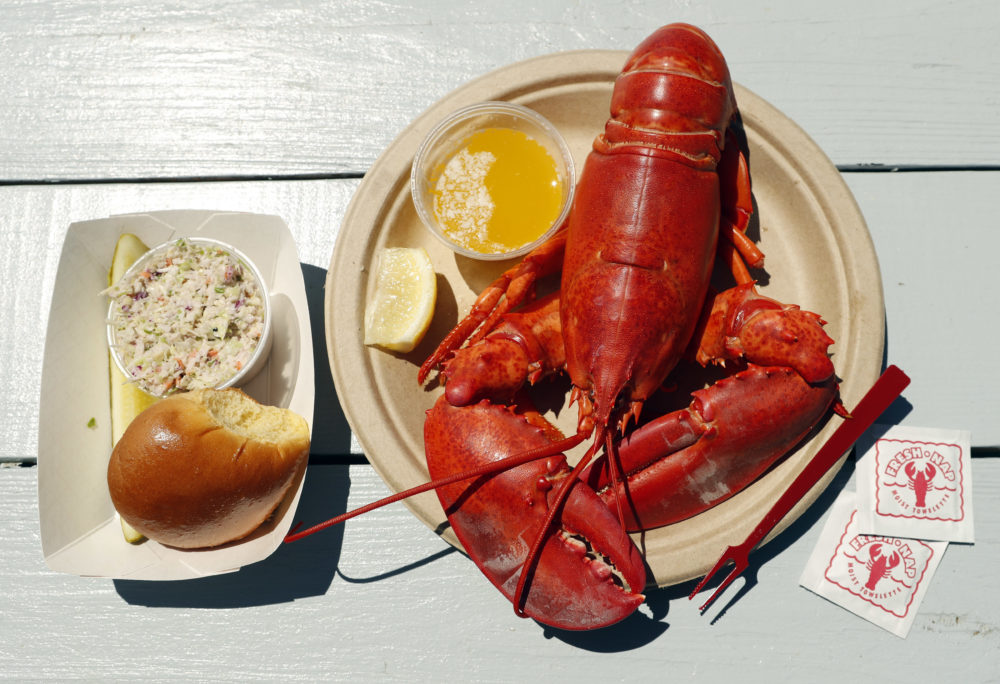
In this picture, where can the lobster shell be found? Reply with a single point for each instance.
(375, 217)
(496, 517)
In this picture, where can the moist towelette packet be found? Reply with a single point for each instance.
(882, 579)
(915, 483)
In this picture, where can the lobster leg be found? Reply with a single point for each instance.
(588, 573)
(736, 201)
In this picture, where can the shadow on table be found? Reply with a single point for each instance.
(307, 567)
(297, 570)
(331, 434)
(649, 622)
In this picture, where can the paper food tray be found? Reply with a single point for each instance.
(80, 530)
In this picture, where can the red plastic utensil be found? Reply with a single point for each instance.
(885, 390)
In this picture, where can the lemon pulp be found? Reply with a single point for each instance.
(499, 192)
(401, 308)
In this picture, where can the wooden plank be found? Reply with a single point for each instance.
(262, 88)
(383, 597)
(936, 262)
(935, 259)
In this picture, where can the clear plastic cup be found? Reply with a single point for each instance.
(261, 350)
(449, 136)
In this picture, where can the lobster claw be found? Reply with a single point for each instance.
(730, 434)
(589, 574)
(740, 322)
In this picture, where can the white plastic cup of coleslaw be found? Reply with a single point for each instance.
(191, 313)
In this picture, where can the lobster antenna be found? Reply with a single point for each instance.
(528, 568)
(615, 467)
(485, 469)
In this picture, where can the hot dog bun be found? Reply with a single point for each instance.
(207, 467)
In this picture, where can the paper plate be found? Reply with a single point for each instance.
(819, 255)
(80, 530)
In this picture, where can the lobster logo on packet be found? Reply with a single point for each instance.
(916, 483)
(883, 571)
(882, 579)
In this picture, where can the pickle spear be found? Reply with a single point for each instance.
(127, 400)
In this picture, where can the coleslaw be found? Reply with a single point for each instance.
(190, 317)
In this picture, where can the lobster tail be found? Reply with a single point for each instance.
(673, 98)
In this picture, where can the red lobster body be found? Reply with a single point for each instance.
(659, 185)
(645, 221)
(664, 192)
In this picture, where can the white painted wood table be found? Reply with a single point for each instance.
(280, 108)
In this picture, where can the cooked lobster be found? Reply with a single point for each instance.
(664, 194)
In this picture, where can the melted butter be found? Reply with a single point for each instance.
(499, 192)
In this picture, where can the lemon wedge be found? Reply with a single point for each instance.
(401, 308)
(127, 400)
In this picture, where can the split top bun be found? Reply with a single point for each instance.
(207, 467)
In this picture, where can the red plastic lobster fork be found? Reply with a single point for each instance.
(885, 390)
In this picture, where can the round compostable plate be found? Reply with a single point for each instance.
(819, 256)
